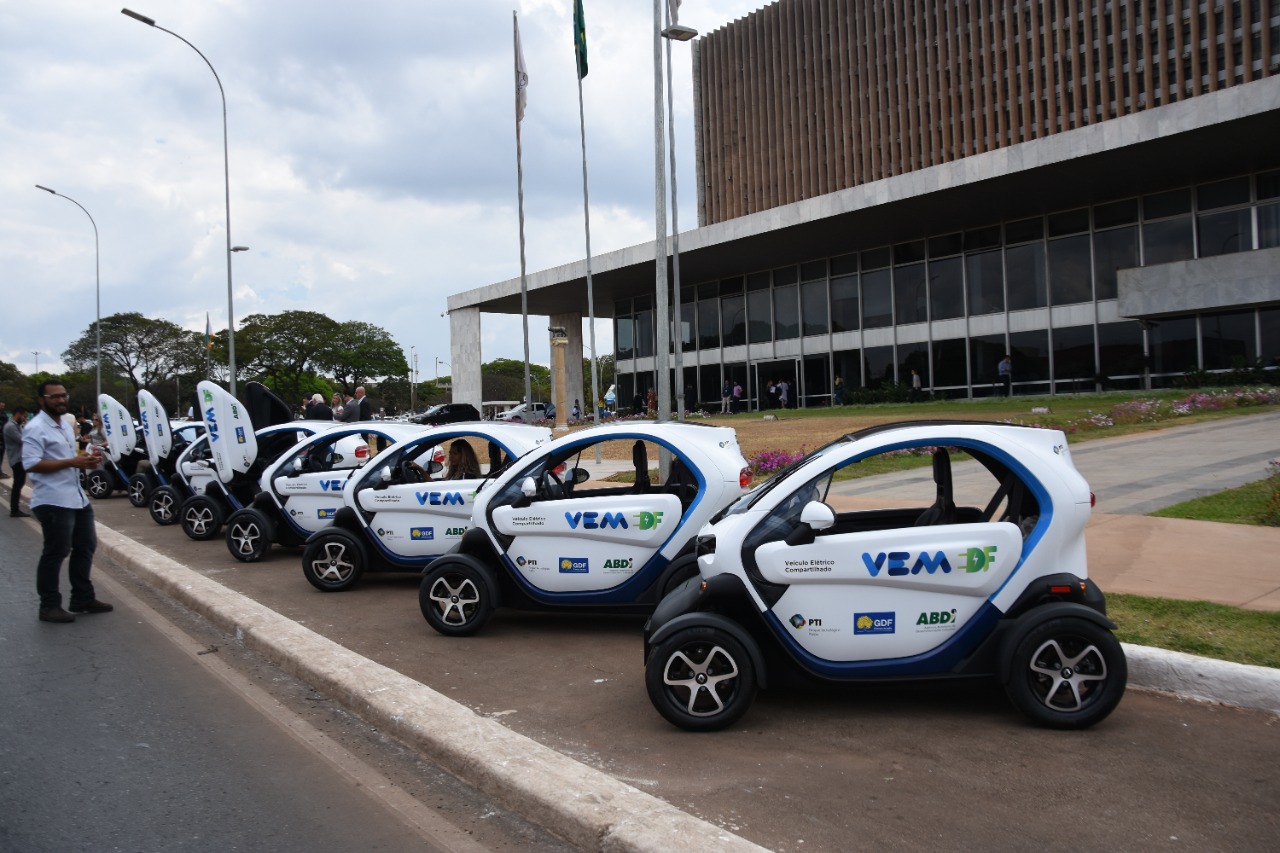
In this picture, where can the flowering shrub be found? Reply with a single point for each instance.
(768, 462)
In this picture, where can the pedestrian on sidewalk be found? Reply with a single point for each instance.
(13, 452)
(4, 422)
(726, 392)
(50, 457)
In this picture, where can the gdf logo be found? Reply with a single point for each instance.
(648, 520)
(937, 617)
(619, 564)
(978, 559)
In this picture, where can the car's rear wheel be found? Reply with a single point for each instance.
(98, 484)
(333, 561)
(139, 489)
(454, 598)
(201, 517)
(701, 679)
(1067, 673)
(248, 535)
(164, 505)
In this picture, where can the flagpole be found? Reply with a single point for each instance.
(524, 284)
(586, 218)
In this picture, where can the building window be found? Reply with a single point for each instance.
(914, 357)
(1229, 340)
(1269, 325)
(1168, 238)
(985, 353)
(910, 298)
(1113, 251)
(844, 304)
(1073, 362)
(733, 319)
(877, 300)
(1024, 272)
(1269, 226)
(1070, 270)
(984, 280)
(759, 317)
(644, 333)
(879, 365)
(946, 289)
(1120, 353)
(949, 363)
(708, 323)
(1225, 233)
(813, 307)
(687, 330)
(624, 334)
(1173, 345)
(786, 313)
(1030, 353)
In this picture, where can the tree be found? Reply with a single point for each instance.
(146, 352)
(359, 352)
(282, 351)
(503, 379)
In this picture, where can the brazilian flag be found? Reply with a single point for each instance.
(580, 38)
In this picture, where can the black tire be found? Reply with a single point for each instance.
(1067, 673)
(249, 535)
(700, 679)
(454, 598)
(164, 505)
(98, 485)
(139, 489)
(201, 517)
(333, 561)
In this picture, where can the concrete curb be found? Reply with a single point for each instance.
(585, 806)
(1203, 679)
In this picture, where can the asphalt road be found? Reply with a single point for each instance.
(115, 734)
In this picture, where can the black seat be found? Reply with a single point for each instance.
(640, 459)
(681, 482)
(943, 510)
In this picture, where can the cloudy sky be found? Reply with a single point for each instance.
(372, 158)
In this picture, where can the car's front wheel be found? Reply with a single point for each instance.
(1067, 673)
(98, 484)
(700, 678)
(163, 505)
(201, 517)
(454, 598)
(248, 535)
(139, 489)
(333, 561)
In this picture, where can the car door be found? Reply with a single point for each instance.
(309, 487)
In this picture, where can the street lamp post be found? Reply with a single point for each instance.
(97, 288)
(413, 378)
(675, 32)
(226, 173)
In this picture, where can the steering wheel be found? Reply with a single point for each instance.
(412, 472)
(550, 477)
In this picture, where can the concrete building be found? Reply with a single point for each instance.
(888, 186)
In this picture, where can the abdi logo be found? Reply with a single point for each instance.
(573, 565)
(873, 623)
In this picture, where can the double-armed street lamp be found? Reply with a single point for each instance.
(226, 171)
(97, 287)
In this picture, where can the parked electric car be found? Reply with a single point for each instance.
(301, 492)
(396, 516)
(164, 441)
(120, 456)
(545, 538)
(192, 471)
(989, 579)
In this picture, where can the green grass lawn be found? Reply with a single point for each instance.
(1198, 628)
(1244, 505)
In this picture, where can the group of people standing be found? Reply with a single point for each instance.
(345, 408)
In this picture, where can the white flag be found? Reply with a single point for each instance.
(522, 76)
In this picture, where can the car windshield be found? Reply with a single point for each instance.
(752, 497)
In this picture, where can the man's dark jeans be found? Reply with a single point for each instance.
(15, 488)
(66, 531)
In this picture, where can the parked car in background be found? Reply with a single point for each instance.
(529, 412)
(447, 413)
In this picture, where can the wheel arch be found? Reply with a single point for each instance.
(719, 622)
(1036, 616)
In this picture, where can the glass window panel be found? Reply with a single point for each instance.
(877, 300)
(1226, 233)
(816, 390)
(813, 307)
(874, 259)
(1229, 340)
(1173, 345)
(1166, 241)
(1171, 203)
(1024, 230)
(848, 364)
(784, 275)
(985, 353)
(730, 286)
(908, 253)
(688, 331)
(1030, 354)
(708, 324)
(1113, 251)
(1120, 348)
(624, 334)
(910, 298)
(1222, 193)
(1269, 226)
(914, 357)
(982, 238)
(1069, 222)
(758, 281)
(709, 290)
(1073, 353)
(759, 317)
(708, 387)
(844, 265)
(949, 362)
(813, 270)
(984, 274)
(1024, 271)
(1115, 213)
(786, 313)
(1269, 324)
(1070, 270)
(844, 303)
(947, 244)
(644, 333)
(1269, 185)
(733, 320)
(879, 365)
(946, 289)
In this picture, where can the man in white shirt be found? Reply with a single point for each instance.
(52, 461)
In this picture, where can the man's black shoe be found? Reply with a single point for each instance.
(55, 614)
(94, 606)
(19, 514)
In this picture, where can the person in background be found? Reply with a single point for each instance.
(577, 411)
(50, 458)
(917, 393)
(737, 398)
(364, 407)
(726, 395)
(335, 404)
(463, 464)
(13, 451)
(4, 422)
(783, 390)
(318, 410)
(837, 392)
(350, 409)
(1005, 369)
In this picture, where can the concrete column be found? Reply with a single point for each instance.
(574, 386)
(465, 357)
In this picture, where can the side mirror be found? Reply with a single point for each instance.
(529, 487)
(818, 516)
(385, 474)
(296, 467)
(580, 475)
(434, 467)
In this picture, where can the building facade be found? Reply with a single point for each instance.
(1090, 187)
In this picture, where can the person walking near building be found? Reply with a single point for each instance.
(837, 392)
(13, 452)
(1005, 368)
(50, 458)
(783, 389)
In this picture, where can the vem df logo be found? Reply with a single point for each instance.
(592, 520)
(899, 564)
